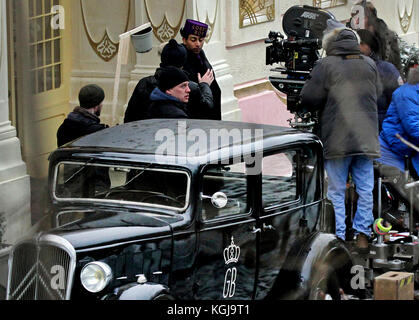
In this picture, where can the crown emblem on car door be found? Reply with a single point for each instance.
(231, 253)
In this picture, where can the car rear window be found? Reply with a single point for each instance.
(279, 179)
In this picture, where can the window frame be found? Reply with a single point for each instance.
(55, 37)
(230, 218)
(179, 170)
(283, 207)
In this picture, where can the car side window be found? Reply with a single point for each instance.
(224, 191)
(279, 179)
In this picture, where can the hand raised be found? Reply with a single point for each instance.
(208, 77)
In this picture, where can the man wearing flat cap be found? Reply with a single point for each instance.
(193, 36)
(85, 118)
(170, 98)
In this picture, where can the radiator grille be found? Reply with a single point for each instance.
(41, 269)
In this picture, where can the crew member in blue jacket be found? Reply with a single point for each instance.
(402, 118)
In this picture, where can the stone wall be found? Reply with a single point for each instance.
(15, 219)
(236, 53)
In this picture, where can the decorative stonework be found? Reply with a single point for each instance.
(164, 31)
(106, 49)
(211, 24)
(405, 14)
(253, 12)
(324, 4)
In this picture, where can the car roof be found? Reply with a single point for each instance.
(177, 137)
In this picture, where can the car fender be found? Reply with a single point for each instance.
(306, 260)
(135, 291)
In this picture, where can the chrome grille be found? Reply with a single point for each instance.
(41, 269)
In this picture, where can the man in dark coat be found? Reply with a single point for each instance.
(170, 98)
(200, 103)
(85, 118)
(82, 121)
(197, 65)
(344, 88)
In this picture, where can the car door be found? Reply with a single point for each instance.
(226, 261)
(279, 218)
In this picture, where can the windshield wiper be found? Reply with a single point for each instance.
(78, 171)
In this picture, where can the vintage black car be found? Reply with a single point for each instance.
(185, 209)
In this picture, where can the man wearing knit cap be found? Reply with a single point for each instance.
(85, 118)
(343, 87)
(197, 65)
(201, 100)
(171, 96)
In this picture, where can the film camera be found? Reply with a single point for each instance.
(304, 26)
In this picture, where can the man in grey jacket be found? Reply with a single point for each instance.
(344, 87)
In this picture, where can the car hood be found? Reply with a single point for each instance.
(104, 228)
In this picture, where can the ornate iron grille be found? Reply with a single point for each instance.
(41, 269)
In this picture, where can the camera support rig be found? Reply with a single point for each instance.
(304, 26)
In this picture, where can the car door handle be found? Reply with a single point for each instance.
(268, 227)
(256, 230)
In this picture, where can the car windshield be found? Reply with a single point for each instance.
(147, 185)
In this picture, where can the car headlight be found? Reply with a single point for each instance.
(95, 276)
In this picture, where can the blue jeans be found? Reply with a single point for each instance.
(362, 171)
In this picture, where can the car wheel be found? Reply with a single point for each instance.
(325, 285)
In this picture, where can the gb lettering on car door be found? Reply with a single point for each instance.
(226, 261)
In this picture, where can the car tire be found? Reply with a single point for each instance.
(325, 285)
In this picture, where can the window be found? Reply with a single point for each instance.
(328, 3)
(229, 182)
(44, 46)
(279, 179)
(113, 183)
(255, 12)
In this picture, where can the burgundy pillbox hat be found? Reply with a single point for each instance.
(193, 27)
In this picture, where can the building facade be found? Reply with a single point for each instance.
(51, 48)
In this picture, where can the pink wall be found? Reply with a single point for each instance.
(264, 108)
